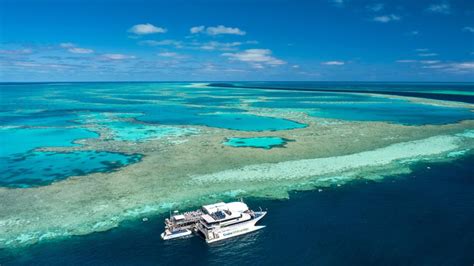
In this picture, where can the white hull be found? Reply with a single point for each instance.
(168, 235)
(236, 230)
(236, 233)
(214, 222)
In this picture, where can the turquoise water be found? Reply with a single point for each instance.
(43, 168)
(179, 104)
(423, 218)
(259, 142)
(23, 167)
(20, 140)
(127, 131)
(42, 118)
(373, 109)
(347, 225)
(214, 117)
(247, 122)
(395, 112)
(138, 112)
(55, 106)
(211, 101)
(130, 130)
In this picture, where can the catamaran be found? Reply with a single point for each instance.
(214, 222)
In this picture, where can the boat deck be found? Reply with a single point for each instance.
(184, 220)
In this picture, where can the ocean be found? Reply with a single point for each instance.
(77, 158)
(422, 218)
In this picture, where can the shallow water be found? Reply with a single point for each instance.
(247, 122)
(21, 140)
(258, 142)
(164, 110)
(424, 218)
(396, 112)
(43, 168)
(373, 109)
(126, 131)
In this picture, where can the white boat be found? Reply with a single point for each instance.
(225, 220)
(180, 225)
(175, 233)
(214, 222)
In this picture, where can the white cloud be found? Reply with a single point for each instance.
(222, 46)
(386, 18)
(464, 66)
(144, 29)
(454, 68)
(217, 30)
(442, 8)
(459, 68)
(429, 62)
(428, 54)
(162, 43)
(468, 29)
(434, 66)
(117, 56)
(376, 7)
(256, 57)
(72, 48)
(414, 33)
(77, 50)
(171, 55)
(67, 45)
(30, 64)
(197, 29)
(422, 50)
(26, 64)
(168, 54)
(16, 52)
(224, 30)
(406, 61)
(426, 62)
(333, 63)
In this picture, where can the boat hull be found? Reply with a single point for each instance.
(237, 230)
(169, 236)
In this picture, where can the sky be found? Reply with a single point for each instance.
(237, 40)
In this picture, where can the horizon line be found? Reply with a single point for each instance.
(214, 81)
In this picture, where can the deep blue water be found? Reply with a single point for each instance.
(458, 91)
(364, 86)
(423, 218)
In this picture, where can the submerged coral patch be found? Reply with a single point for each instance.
(249, 122)
(21, 140)
(126, 131)
(152, 118)
(43, 168)
(294, 170)
(257, 142)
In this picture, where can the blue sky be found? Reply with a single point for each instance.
(327, 40)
